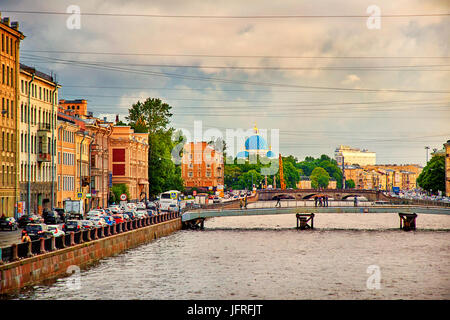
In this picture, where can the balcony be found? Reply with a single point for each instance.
(44, 157)
(44, 127)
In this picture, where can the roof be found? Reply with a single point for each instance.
(37, 73)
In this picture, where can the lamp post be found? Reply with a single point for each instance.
(426, 150)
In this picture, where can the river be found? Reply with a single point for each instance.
(265, 257)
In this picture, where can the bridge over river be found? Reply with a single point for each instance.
(195, 218)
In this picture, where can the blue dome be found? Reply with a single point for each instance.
(242, 154)
(270, 154)
(256, 143)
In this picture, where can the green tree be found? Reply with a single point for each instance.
(118, 189)
(350, 184)
(153, 117)
(319, 178)
(432, 177)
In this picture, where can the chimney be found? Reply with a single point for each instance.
(15, 25)
(5, 20)
(117, 118)
(104, 119)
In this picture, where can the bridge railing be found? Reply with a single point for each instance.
(24, 250)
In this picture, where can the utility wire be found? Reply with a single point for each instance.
(231, 56)
(268, 84)
(142, 15)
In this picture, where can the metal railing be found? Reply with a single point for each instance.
(29, 249)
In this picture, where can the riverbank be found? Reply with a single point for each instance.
(34, 270)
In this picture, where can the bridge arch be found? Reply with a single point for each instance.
(351, 196)
(284, 196)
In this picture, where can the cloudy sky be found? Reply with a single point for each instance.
(322, 81)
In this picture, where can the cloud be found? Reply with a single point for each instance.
(310, 125)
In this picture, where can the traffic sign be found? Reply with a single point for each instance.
(123, 197)
(173, 195)
(80, 195)
(88, 195)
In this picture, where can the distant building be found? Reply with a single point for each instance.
(9, 126)
(383, 177)
(354, 156)
(305, 183)
(256, 145)
(447, 168)
(37, 141)
(129, 160)
(202, 166)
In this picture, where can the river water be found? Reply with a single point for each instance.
(265, 257)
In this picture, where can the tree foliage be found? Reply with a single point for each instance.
(432, 177)
(319, 178)
(153, 117)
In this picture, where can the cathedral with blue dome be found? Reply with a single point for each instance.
(255, 145)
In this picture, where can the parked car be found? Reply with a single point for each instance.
(118, 218)
(55, 230)
(109, 220)
(52, 218)
(130, 213)
(151, 213)
(37, 231)
(72, 226)
(141, 214)
(140, 205)
(8, 223)
(98, 222)
(24, 220)
(216, 200)
(87, 224)
(172, 208)
(36, 219)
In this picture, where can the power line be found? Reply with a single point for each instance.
(297, 102)
(268, 84)
(141, 15)
(293, 68)
(232, 56)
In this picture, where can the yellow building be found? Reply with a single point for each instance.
(37, 141)
(305, 183)
(129, 160)
(354, 156)
(82, 155)
(9, 121)
(66, 159)
(447, 168)
(383, 177)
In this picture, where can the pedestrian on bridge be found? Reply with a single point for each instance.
(278, 204)
(320, 201)
(355, 202)
(245, 202)
(240, 203)
(315, 201)
(326, 201)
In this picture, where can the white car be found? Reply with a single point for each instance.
(55, 230)
(98, 222)
(93, 214)
(140, 205)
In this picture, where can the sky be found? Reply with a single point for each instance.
(319, 77)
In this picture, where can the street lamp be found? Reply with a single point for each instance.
(427, 148)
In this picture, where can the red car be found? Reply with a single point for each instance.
(118, 218)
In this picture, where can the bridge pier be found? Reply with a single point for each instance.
(303, 219)
(195, 224)
(407, 221)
